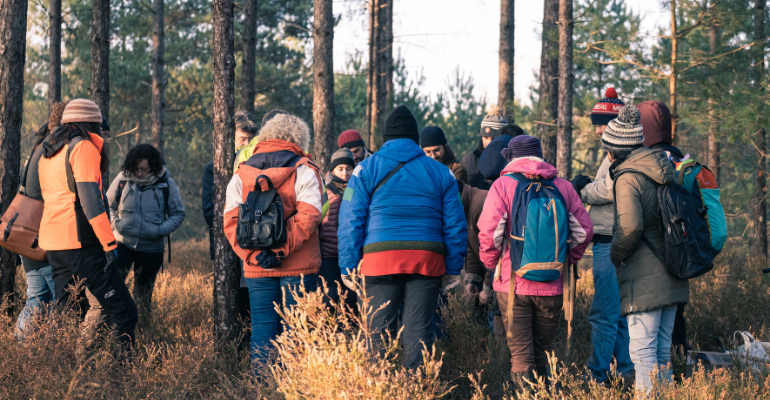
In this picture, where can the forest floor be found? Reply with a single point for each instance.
(323, 356)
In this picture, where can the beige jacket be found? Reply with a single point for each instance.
(598, 195)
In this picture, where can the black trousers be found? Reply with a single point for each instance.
(416, 297)
(146, 268)
(679, 336)
(106, 284)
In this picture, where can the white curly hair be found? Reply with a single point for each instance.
(287, 127)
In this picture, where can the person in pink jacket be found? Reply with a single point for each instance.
(537, 305)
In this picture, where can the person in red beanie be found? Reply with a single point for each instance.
(352, 140)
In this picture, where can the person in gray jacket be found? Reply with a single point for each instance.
(145, 207)
(609, 330)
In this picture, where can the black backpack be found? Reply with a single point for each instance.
(687, 251)
(261, 224)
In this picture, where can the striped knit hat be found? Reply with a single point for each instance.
(81, 110)
(607, 108)
(624, 134)
(342, 156)
(493, 123)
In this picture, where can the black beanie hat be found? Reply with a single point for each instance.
(270, 114)
(432, 136)
(342, 156)
(491, 161)
(401, 125)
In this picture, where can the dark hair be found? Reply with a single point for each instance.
(143, 152)
(245, 122)
(72, 129)
(511, 130)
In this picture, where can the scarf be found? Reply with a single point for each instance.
(339, 183)
(148, 180)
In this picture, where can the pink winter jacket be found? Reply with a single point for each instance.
(494, 226)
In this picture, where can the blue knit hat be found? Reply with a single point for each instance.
(523, 146)
(491, 162)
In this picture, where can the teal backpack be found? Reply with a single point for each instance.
(700, 181)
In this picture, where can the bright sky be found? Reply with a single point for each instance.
(436, 36)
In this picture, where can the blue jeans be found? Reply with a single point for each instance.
(609, 331)
(650, 344)
(265, 322)
(39, 293)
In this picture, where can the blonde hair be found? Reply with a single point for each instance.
(286, 127)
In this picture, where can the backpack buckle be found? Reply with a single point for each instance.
(257, 213)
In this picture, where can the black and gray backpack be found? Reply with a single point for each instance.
(261, 223)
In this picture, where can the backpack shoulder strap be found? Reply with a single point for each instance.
(388, 176)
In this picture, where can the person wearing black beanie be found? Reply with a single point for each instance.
(401, 125)
(433, 142)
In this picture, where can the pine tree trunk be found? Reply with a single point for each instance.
(54, 53)
(226, 268)
(13, 30)
(549, 80)
(564, 135)
(323, 82)
(760, 178)
(713, 139)
(389, 56)
(672, 76)
(370, 72)
(158, 74)
(249, 68)
(505, 77)
(100, 62)
(384, 47)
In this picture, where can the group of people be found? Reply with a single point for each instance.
(402, 222)
(90, 235)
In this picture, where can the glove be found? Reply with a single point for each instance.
(449, 282)
(471, 289)
(485, 294)
(112, 257)
(267, 259)
(347, 280)
(580, 181)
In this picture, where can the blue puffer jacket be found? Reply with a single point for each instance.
(415, 223)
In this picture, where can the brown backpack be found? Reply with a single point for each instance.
(20, 225)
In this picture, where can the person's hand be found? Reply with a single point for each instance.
(267, 259)
(112, 257)
(483, 297)
(449, 282)
(349, 283)
(580, 181)
(471, 289)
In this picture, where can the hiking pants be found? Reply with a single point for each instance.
(535, 319)
(146, 268)
(415, 296)
(106, 284)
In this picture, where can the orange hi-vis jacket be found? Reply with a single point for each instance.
(74, 216)
(298, 182)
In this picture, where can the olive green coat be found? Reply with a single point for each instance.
(645, 284)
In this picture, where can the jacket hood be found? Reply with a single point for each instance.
(531, 166)
(276, 159)
(400, 150)
(653, 163)
(656, 122)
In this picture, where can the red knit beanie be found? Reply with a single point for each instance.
(350, 139)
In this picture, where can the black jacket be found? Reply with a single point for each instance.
(207, 202)
(470, 161)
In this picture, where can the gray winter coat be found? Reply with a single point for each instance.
(645, 284)
(138, 218)
(598, 195)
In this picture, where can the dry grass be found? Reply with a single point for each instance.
(324, 355)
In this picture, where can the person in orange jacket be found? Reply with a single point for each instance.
(75, 228)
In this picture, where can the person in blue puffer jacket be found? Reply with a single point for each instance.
(410, 236)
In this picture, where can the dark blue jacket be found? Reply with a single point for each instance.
(419, 206)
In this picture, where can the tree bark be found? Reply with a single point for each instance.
(249, 68)
(370, 71)
(760, 178)
(505, 77)
(158, 74)
(100, 62)
(389, 56)
(549, 80)
(226, 270)
(672, 76)
(13, 30)
(564, 135)
(54, 53)
(380, 65)
(323, 82)
(713, 139)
